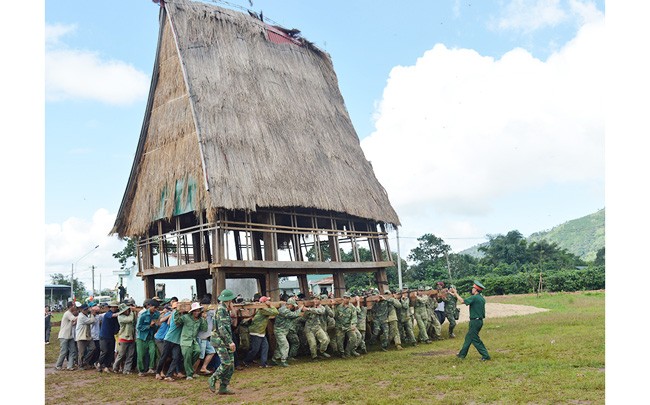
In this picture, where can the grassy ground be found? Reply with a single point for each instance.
(545, 358)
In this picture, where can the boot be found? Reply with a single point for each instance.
(223, 390)
(399, 347)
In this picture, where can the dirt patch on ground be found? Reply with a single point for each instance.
(496, 310)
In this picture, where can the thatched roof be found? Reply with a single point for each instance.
(246, 122)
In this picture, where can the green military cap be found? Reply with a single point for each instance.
(346, 295)
(324, 296)
(478, 286)
(226, 295)
(291, 301)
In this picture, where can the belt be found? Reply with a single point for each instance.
(475, 319)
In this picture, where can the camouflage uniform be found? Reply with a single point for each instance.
(362, 313)
(450, 312)
(285, 333)
(330, 328)
(392, 320)
(314, 331)
(346, 325)
(380, 325)
(435, 329)
(406, 321)
(422, 317)
(221, 339)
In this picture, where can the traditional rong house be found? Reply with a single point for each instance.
(248, 165)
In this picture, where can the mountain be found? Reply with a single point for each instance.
(582, 236)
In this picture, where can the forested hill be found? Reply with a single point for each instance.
(582, 237)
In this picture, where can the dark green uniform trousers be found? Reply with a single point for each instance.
(472, 338)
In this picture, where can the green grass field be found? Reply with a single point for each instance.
(545, 358)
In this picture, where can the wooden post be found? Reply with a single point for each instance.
(149, 287)
(339, 284)
(303, 284)
(382, 280)
(218, 282)
(201, 288)
(273, 286)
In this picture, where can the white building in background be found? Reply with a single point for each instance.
(178, 288)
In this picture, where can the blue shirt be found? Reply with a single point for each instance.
(162, 331)
(110, 326)
(174, 332)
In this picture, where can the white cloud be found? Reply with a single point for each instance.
(70, 241)
(530, 15)
(84, 75)
(457, 130)
(53, 32)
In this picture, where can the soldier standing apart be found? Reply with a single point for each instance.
(314, 331)
(285, 332)
(222, 341)
(345, 315)
(476, 314)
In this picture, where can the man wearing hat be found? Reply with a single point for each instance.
(345, 315)
(125, 339)
(107, 332)
(192, 323)
(223, 343)
(285, 331)
(476, 314)
(145, 331)
(83, 336)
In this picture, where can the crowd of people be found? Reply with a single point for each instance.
(172, 339)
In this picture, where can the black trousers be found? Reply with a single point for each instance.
(106, 352)
(173, 350)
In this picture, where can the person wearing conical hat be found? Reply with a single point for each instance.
(222, 341)
(192, 323)
(476, 314)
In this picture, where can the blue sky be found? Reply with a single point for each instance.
(478, 117)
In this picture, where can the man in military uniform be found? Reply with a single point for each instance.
(392, 320)
(329, 325)
(476, 314)
(360, 332)
(405, 319)
(314, 331)
(380, 310)
(450, 310)
(422, 317)
(345, 316)
(435, 329)
(222, 341)
(285, 332)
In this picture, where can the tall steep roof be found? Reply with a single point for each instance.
(243, 115)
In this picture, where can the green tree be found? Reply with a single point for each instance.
(77, 286)
(600, 257)
(508, 249)
(129, 252)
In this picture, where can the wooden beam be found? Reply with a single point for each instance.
(201, 288)
(382, 280)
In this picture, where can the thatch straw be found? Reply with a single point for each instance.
(273, 127)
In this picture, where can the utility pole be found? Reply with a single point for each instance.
(72, 273)
(399, 261)
(93, 273)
